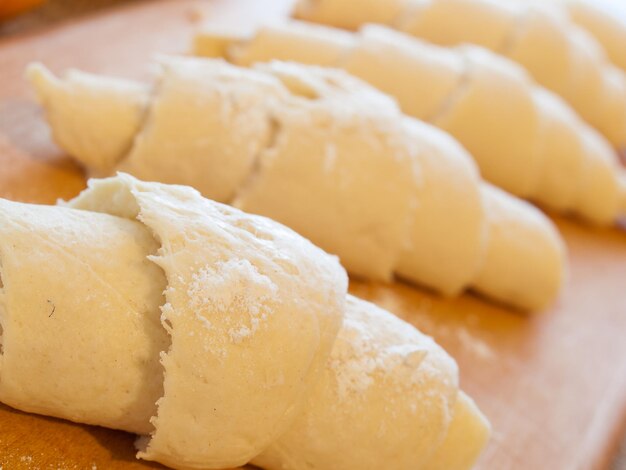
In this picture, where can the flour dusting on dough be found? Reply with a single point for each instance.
(357, 357)
(232, 286)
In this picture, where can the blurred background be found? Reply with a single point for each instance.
(21, 15)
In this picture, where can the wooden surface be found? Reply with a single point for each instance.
(553, 385)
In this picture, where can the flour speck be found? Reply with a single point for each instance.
(233, 294)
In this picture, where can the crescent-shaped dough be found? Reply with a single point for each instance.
(543, 37)
(385, 383)
(605, 20)
(239, 291)
(333, 159)
(524, 138)
(215, 334)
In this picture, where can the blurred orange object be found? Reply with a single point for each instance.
(10, 8)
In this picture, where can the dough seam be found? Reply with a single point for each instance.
(451, 101)
(143, 121)
(151, 257)
(164, 322)
(513, 36)
(256, 170)
(408, 11)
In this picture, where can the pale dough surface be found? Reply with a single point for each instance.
(388, 391)
(543, 38)
(79, 300)
(606, 21)
(242, 291)
(249, 352)
(337, 161)
(525, 139)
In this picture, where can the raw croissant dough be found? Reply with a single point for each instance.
(605, 20)
(524, 138)
(369, 379)
(239, 291)
(538, 35)
(233, 365)
(325, 154)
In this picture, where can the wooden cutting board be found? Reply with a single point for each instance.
(553, 385)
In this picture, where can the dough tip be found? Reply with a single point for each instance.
(40, 77)
(215, 42)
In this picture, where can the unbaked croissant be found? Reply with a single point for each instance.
(524, 138)
(323, 153)
(537, 34)
(605, 20)
(147, 308)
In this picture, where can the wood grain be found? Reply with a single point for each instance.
(553, 385)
